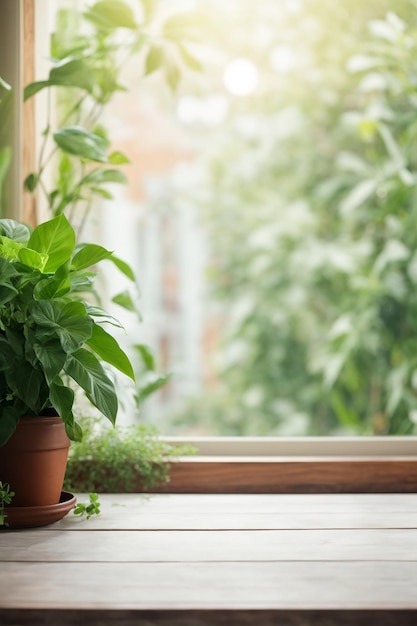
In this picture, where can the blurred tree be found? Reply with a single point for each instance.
(309, 198)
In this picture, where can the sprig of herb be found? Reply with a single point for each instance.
(88, 510)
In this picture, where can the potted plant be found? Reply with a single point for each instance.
(52, 341)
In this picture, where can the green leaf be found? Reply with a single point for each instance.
(89, 254)
(118, 158)
(69, 321)
(101, 175)
(54, 286)
(31, 182)
(62, 399)
(104, 193)
(82, 143)
(87, 371)
(103, 316)
(111, 14)
(124, 300)
(33, 259)
(154, 59)
(72, 73)
(27, 383)
(51, 356)
(147, 390)
(55, 238)
(14, 230)
(123, 267)
(147, 356)
(10, 249)
(33, 88)
(107, 348)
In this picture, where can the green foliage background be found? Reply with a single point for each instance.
(309, 198)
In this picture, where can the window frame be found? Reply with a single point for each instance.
(241, 464)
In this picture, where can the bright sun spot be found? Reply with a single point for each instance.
(241, 77)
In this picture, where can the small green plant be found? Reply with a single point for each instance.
(117, 459)
(88, 510)
(6, 496)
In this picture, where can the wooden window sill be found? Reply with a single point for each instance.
(349, 474)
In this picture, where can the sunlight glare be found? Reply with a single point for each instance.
(241, 77)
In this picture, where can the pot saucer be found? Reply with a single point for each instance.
(33, 516)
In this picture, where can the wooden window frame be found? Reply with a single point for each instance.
(244, 465)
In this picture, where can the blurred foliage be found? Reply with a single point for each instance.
(309, 197)
(90, 49)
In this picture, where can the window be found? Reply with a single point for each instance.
(388, 464)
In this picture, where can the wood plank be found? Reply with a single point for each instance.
(73, 617)
(162, 586)
(209, 546)
(241, 511)
(293, 475)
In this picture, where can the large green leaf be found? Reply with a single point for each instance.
(87, 371)
(27, 382)
(52, 357)
(82, 143)
(89, 254)
(56, 238)
(107, 348)
(62, 399)
(69, 322)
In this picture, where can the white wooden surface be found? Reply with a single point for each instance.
(234, 552)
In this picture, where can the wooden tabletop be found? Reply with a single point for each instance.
(218, 559)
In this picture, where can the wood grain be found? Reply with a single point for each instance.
(285, 559)
(209, 546)
(254, 585)
(249, 512)
(293, 475)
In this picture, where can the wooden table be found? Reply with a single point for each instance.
(218, 559)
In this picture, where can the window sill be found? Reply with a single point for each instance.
(296, 465)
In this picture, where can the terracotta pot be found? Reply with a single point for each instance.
(34, 460)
